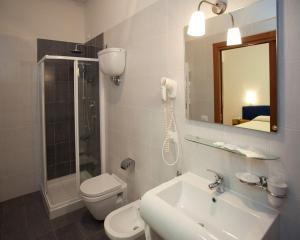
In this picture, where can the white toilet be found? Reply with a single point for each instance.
(103, 194)
(125, 223)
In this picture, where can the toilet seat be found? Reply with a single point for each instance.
(98, 186)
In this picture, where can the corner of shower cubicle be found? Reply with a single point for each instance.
(70, 117)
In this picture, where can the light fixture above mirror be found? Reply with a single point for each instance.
(229, 82)
(233, 34)
(196, 26)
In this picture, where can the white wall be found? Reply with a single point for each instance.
(244, 69)
(201, 87)
(55, 19)
(154, 40)
(104, 14)
(21, 23)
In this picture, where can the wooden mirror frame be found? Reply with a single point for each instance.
(267, 37)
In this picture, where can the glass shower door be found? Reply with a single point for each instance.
(59, 125)
(88, 120)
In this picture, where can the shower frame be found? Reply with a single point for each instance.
(71, 204)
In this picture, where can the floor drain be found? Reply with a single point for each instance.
(135, 227)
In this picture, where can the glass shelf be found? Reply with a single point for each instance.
(244, 152)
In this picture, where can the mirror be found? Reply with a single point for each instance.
(234, 85)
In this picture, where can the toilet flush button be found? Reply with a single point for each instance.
(119, 198)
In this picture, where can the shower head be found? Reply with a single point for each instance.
(76, 49)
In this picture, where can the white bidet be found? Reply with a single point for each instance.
(125, 223)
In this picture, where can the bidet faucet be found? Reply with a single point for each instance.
(218, 184)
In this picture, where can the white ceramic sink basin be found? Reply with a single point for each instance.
(185, 208)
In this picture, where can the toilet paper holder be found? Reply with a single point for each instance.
(127, 163)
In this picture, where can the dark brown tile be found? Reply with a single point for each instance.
(50, 112)
(14, 216)
(90, 51)
(61, 133)
(70, 92)
(61, 153)
(62, 221)
(26, 219)
(72, 167)
(38, 223)
(52, 47)
(50, 131)
(61, 111)
(48, 236)
(50, 90)
(88, 225)
(33, 198)
(1, 220)
(90, 42)
(50, 151)
(99, 41)
(51, 172)
(99, 236)
(61, 91)
(70, 113)
(15, 235)
(62, 169)
(69, 232)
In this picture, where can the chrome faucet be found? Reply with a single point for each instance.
(218, 184)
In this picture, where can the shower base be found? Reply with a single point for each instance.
(63, 195)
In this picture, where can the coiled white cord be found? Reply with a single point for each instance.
(170, 126)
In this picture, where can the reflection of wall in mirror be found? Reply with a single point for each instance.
(199, 59)
(198, 55)
(245, 77)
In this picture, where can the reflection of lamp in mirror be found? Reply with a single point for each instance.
(197, 22)
(233, 34)
(251, 97)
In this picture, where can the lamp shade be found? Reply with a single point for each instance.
(197, 24)
(234, 36)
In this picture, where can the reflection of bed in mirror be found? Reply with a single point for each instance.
(256, 118)
(221, 79)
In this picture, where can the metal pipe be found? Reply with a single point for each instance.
(204, 1)
(217, 8)
(232, 19)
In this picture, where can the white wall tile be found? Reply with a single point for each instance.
(136, 112)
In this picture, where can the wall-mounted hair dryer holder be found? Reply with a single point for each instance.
(168, 88)
(116, 80)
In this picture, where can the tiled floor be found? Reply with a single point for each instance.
(25, 218)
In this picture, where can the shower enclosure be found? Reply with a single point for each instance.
(69, 93)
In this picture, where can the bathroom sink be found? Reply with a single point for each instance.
(185, 208)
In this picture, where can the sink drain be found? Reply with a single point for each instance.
(135, 227)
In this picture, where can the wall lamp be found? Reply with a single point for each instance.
(196, 26)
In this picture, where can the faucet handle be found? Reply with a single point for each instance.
(217, 175)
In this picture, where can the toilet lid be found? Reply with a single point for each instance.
(100, 185)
